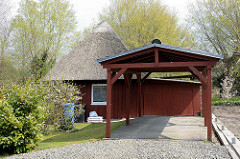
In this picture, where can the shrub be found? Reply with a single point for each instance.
(19, 119)
(27, 111)
(56, 94)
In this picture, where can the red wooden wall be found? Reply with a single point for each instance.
(118, 99)
(160, 98)
(165, 98)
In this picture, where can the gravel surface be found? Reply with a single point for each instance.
(132, 148)
(230, 117)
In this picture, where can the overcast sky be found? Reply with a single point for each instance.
(87, 10)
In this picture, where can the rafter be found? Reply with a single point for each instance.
(114, 79)
(198, 75)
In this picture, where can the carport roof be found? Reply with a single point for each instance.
(161, 46)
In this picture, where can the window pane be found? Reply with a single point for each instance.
(99, 93)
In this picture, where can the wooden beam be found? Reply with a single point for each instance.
(156, 56)
(198, 75)
(145, 77)
(115, 78)
(159, 65)
(109, 103)
(164, 69)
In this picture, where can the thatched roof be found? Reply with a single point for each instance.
(80, 64)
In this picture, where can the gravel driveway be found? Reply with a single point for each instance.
(132, 148)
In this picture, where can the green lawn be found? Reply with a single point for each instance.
(84, 133)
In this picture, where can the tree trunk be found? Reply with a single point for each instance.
(227, 85)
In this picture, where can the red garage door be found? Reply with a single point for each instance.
(171, 100)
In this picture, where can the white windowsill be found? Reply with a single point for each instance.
(99, 103)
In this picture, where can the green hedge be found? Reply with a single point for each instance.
(234, 101)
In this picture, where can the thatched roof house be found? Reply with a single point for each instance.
(80, 63)
(80, 66)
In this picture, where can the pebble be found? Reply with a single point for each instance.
(131, 148)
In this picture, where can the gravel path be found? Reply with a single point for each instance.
(132, 148)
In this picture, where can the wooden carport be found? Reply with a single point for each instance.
(159, 58)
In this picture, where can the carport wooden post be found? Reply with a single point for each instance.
(127, 104)
(205, 79)
(209, 103)
(204, 97)
(140, 101)
(204, 104)
(111, 79)
(109, 103)
(127, 79)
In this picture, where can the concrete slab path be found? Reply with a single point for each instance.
(158, 127)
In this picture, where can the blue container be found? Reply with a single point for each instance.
(69, 111)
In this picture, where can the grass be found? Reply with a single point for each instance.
(84, 133)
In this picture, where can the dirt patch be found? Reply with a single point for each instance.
(230, 117)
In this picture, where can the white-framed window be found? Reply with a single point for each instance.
(99, 94)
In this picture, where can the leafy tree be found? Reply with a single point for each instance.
(138, 22)
(42, 31)
(216, 23)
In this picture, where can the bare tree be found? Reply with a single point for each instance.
(6, 67)
(5, 28)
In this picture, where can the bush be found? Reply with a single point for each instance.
(56, 94)
(66, 124)
(27, 111)
(19, 119)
